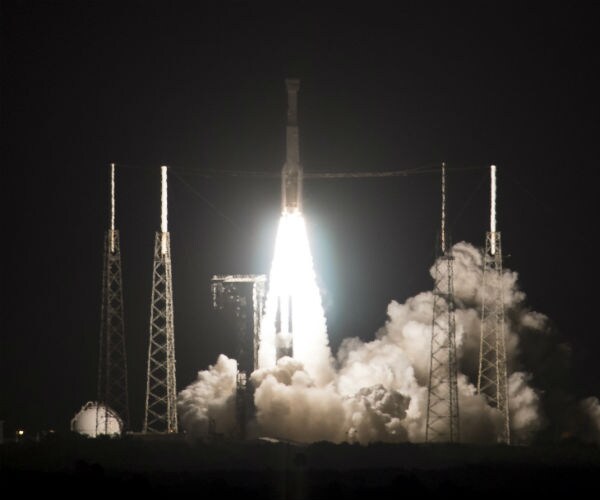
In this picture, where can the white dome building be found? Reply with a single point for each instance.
(95, 419)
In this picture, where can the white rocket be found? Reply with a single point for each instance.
(291, 174)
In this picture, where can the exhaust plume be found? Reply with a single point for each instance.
(377, 391)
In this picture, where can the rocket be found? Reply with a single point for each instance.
(291, 174)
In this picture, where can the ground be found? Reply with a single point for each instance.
(272, 470)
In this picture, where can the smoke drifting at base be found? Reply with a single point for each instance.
(377, 391)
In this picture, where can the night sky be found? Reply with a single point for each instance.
(201, 88)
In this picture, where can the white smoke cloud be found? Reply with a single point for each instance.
(377, 390)
(525, 418)
(289, 405)
(590, 427)
(479, 422)
(210, 397)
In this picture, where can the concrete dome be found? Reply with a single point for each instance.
(95, 419)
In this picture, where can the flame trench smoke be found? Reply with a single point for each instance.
(377, 390)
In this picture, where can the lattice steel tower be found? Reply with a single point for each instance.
(112, 362)
(492, 379)
(241, 297)
(161, 408)
(442, 402)
(242, 300)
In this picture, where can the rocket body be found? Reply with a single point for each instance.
(291, 174)
(291, 188)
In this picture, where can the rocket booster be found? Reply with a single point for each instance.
(291, 174)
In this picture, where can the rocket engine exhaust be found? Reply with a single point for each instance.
(284, 328)
(291, 174)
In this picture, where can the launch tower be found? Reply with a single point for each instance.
(112, 363)
(242, 299)
(492, 379)
(161, 410)
(442, 402)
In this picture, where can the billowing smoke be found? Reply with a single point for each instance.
(210, 399)
(589, 425)
(377, 390)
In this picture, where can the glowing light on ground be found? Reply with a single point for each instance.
(294, 319)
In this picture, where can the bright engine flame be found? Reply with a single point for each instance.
(294, 322)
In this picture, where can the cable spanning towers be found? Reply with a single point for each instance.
(442, 402)
(112, 364)
(161, 409)
(492, 379)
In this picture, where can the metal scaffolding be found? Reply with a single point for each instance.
(161, 405)
(442, 402)
(112, 358)
(492, 379)
(242, 299)
(112, 365)
(161, 409)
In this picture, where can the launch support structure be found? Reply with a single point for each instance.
(112, 358)
(161, 391)
(442, 401)
(492, 379)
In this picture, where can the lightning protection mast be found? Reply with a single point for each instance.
(442, 402)
(492, 379)
(161, 410)
(112, 359)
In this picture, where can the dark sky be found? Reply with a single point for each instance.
(201, 87)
